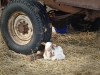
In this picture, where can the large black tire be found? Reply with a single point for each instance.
(79, 24)
(95, 25)
(38, 24)
(46, 22)
(87, 25)
(45, 18)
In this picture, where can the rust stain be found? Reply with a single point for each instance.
(90, 4)
(62, 7)
(65, 5)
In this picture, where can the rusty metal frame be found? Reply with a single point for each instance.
(89, 7)
(88, 4)
(72, 6)
(62, 7)
(67, 5)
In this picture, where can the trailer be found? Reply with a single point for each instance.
(26, 23)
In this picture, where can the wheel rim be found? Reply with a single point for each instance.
(20, 28)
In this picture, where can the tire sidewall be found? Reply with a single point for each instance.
(14, 7)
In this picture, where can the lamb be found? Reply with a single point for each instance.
(53, 52)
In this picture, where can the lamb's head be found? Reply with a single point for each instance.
(48, 46)
(48, 49)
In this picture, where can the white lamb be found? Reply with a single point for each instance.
(53, 52)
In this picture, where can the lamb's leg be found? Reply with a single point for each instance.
(54, 58)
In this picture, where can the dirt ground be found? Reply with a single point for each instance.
(82, 52)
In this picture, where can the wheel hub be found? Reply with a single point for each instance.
(20, 28)
(23, 28)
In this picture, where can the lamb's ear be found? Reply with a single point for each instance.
(54, 44)
(43, 43)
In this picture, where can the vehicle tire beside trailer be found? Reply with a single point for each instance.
(95, 25)
(23, 27)
(80, 24)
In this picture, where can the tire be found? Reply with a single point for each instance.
(46, 22)
(87, 25)
(81, 26)
(22, 27)
(96, 25)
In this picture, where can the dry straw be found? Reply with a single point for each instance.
(82, 52)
